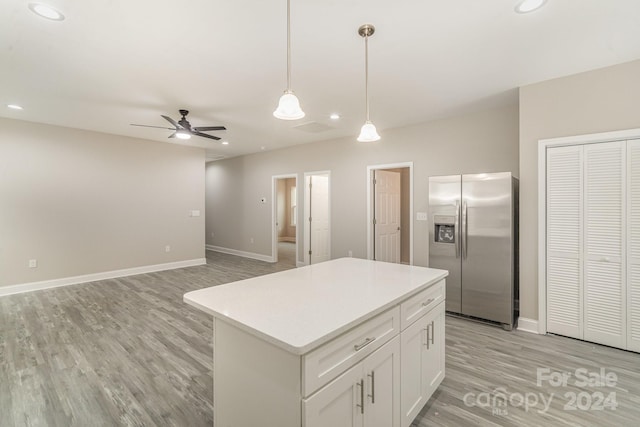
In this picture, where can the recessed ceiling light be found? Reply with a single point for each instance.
(334, 116)
(225, 142)
(14, 107)
(46, 11)
(526, 6)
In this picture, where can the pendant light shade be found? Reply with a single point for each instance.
(368, 132)
(289, 106)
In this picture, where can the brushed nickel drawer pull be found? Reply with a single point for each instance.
(366, 342)
(427, 302)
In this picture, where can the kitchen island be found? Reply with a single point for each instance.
(344, 342)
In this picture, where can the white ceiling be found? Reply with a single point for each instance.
(115, 62)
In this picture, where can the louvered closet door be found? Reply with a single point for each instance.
(633, 245)
(604, 189)
(564, 240)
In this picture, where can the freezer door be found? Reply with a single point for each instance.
(487, 246)
(444, 233)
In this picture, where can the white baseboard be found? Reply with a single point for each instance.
(527, 325)
(287, 239)
(300, 264)
(252, 255)
(66, 281)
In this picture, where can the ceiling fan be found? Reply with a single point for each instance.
(183, 130)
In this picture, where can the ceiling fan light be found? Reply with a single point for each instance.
(368, 133)
(288, 107)
(181, 134)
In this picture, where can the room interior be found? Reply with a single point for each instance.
(93, 209)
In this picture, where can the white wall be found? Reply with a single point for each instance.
(84, 202)
(596, 101)
(481, 142)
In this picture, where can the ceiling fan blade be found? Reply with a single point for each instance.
(147, 126)
(206, 128)
(173, 135)
(170, 120)
(204, 135)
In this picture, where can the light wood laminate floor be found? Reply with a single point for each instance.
(129, 352)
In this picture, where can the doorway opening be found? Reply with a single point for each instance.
(284, 248)
(389, 208)
(317, 217)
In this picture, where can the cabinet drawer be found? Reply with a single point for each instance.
(328, 361)
(420, 304)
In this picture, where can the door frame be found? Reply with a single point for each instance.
(274, 215)
(306, 213)
(543, 144)
(370, 207)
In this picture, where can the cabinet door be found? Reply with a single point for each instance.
(413, 392)
(633, 244)
(339, 403)
(433, 360)
(604, 201)
(564, 240)
(382, 379)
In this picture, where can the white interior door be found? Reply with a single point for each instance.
(564, 240)
(317, 218)
(604, 217)
(633, 244)
(387, 216)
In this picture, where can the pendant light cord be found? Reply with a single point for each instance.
(366, 74)
(288, 45)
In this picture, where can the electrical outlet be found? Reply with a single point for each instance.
(421, 216)
(167, 248)
(33, 263)
(212, 235)
(251, 240)
(194, 213)
(350, 254)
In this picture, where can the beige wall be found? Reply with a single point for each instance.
(597, 101)
(482, 142)
(84, 202)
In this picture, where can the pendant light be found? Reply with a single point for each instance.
(289, 106)
(368, 133)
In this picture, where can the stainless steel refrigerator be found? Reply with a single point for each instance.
(474, 235)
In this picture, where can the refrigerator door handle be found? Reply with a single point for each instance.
(464, 230)
(456, 229)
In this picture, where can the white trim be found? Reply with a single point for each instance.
(66, 281)
(299, 264)
(274, 216)
(370, 170)
(543, 144)
(528, 325)
(287, 239)
(251, 255)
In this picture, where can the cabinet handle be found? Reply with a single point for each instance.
(361, 404)
(433, 333)
(427, 302)
(372, 375)
(366, 342)
(427, 341)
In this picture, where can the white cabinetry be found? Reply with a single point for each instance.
(327, 350)
(365, 395)
(593, 242)
(422, 346)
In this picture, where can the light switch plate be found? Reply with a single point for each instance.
(194, 213)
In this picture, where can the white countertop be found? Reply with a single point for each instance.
(302, 308)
